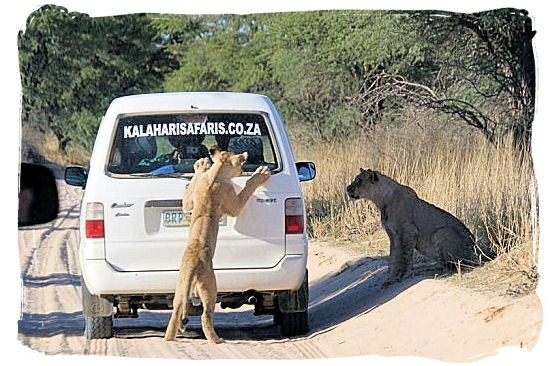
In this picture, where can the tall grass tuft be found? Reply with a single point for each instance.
(488, 186)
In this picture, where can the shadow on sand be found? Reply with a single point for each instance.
(354, 290)
(48, 325)
(54, 279)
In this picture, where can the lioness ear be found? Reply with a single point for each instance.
(214, 150)
(371, 175)
(243, 157)
(224, 156)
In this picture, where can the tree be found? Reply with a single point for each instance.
(484, 71)
(318, 62)
(221, 54)
(339, 71)
(73, 65)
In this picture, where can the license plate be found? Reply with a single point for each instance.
(175, 218)
(182, 219)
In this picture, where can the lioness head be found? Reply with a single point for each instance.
(232, 163)
(363, 183)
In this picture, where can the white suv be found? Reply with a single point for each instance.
(132, 228)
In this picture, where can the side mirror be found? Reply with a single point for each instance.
(38, 197)
(306, 170)
(76, 176)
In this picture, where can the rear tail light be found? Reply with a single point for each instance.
(95, 227)
(294, 216)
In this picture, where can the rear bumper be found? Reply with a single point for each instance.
(102, 279)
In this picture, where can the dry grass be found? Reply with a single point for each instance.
(488, 186)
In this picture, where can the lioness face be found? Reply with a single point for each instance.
(363, 183)
(236, 162)
(233, 163)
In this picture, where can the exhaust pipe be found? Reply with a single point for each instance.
(248, 298)
(252, 300)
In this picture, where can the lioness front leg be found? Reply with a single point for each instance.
(234, 203)
(401, 252)
(259, 177)
(200, 166)
(406, 260)
(394, 260)
(409, 239)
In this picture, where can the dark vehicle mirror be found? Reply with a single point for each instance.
(38, 197)
(306, 170)
(76, 176)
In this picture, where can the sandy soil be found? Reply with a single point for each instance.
(350, 314)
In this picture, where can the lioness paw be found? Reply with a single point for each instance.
(202, 165)
(216, 340)
(262, 170)
(390, 281)
(261, 175)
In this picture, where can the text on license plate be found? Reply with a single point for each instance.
(181, 219)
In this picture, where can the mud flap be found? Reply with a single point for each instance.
(294, 301)
(93, 305)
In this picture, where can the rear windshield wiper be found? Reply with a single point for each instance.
(159, 175)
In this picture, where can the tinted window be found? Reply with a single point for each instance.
(171, 143)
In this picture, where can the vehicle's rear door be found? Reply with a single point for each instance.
(149, 168)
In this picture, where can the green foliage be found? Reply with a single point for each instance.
(334, 72)
(312, 63)
(224, 55)
(73, 65)
(83, 128)
(357, 42)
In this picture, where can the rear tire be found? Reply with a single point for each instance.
(291, 312)
(98, 327)
(293, 324)
(277, 317)
(97, 315)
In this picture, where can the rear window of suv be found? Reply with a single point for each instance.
(164, 144)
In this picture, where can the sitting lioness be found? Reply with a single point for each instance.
(412, 223)
(210, 195)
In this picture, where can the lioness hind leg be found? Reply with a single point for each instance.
(178, 320)
(181, 296)
(207, 289)
(452, 247)
(175, 319)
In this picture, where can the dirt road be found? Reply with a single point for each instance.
(350, 315)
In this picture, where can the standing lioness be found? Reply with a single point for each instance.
(413, 223)
(210, 195)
